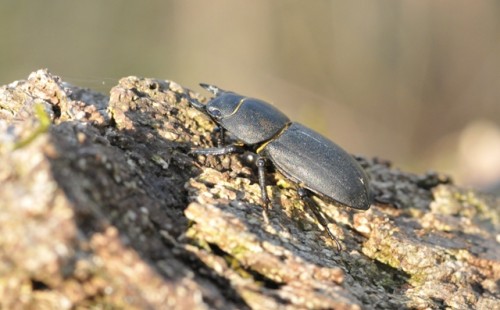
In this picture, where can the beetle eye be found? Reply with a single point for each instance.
(214, 112)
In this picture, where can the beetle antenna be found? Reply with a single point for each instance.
(211, 88)
(196, 104)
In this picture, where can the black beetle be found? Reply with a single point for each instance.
(313, 162)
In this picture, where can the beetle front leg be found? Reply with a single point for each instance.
(218, 151)
(259, 162)
(304, 195)
(221, 136)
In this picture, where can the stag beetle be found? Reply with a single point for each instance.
(314, 163)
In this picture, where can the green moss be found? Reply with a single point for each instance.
(419, 278)
(474, 204)
(44, 124)
(381, 274)
(239, 251)
(235, 265)
(386, 255)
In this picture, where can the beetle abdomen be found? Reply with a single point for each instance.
(318, 164)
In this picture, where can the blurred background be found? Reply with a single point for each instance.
(415, 82)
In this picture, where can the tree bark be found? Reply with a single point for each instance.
(101, 206)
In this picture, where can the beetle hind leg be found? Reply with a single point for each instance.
(304, 195)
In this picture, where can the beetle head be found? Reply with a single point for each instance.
(223, 105)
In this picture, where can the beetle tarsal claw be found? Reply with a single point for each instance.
(332, 236)
(265, 216)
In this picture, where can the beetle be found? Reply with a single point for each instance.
(314, 163)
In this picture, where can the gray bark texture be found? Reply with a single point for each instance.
(103, 207)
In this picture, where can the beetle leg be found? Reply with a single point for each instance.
(221, 137)
(217, 151)
(261, 169)
(304, 194)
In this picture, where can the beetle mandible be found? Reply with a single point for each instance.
(314, 163)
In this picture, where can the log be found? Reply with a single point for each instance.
(102, 206)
